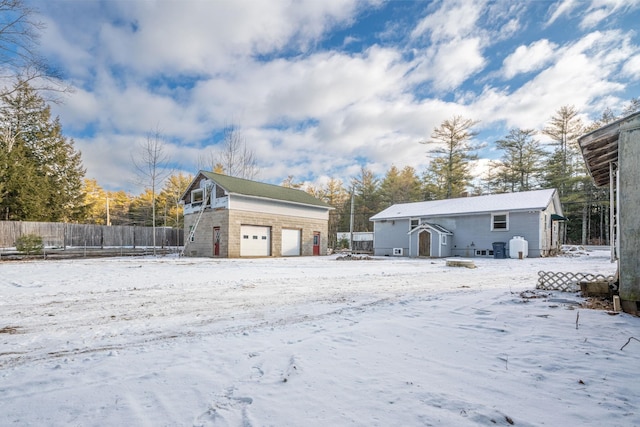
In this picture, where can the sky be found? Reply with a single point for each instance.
(320, 89)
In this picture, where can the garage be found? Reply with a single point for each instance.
(290, 242)
(255, 240)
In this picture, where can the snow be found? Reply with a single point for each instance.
(310, 342)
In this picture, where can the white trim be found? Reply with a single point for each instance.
(493, 221)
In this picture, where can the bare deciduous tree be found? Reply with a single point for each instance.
(233, 157)
(152, 166)
(20, 62)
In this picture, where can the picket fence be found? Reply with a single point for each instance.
(63, 235)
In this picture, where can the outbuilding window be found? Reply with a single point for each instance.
(500, 222)
(197, 196)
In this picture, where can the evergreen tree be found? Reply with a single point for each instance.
(564, 129)
(400, 187)
(519, 167)
(141, 209)
(367, 199)
(119, 206)
(169, 199)
(566, 171)
(453, 152)
(335, 195)
(95, 202)
(42, 175)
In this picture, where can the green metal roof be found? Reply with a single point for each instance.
(250, 188)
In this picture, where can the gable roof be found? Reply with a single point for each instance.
(246, 187)
(525, 200)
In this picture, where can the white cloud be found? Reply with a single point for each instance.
(311, 111)
(528, 58)
(600, 10)
(595, 13)
(453, 20)
(631, 67)
(583, 72)
(455, 62)
(564, 7)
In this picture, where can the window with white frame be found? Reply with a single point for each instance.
(197, 196)
(443, 239)
(415, 223)
(500, 222)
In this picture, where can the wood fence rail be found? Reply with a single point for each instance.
(62, 235)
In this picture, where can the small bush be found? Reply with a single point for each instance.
(30, 244)
(343, 243)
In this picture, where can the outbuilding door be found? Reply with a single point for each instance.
(424, 244)
(290, 242)
(255, 240)
(216, 241)
(316, 243)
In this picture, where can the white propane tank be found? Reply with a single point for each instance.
(518, 247)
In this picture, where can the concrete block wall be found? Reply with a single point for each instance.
(277, 223)
(202, 244)
(230, 222)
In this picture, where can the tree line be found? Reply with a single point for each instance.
(42, 177)
(525, 163)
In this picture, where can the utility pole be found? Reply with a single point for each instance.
(108, 216)
(351, 219)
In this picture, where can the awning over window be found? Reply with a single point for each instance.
(556, 217)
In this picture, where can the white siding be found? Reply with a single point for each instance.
(267, 206)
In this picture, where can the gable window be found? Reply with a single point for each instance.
(197, 196)
(500, 222)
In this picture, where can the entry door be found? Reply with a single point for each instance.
(424, 244)
(316, 243)
(216, 241)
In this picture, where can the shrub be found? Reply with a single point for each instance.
(343, 243)
(30, 244)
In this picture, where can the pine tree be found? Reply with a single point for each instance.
(400, 187)
(453, 152)
(95, 200)
(169, 199)
(566, 172)
(42, 176)
(564, 129)
(367, 199)
(519, 167)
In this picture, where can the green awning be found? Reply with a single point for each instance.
(556, 217)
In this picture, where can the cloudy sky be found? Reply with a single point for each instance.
(321, 88)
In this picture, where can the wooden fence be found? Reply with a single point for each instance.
(62, 235)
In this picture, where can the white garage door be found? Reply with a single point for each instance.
(255, 241)
(290, 242)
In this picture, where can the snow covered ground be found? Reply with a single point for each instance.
(309, 342)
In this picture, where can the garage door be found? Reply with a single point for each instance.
(290, 242)
(255, 240)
